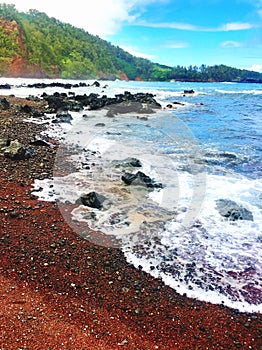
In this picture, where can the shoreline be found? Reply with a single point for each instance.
(61, 291)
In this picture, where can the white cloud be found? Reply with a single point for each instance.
(135, 52)
(255, 68)
(229, 44)
(105, 17)
(99, 17)
(257, 4)
(236, 26)
(189, 27)
(169, 25)
(177, 45)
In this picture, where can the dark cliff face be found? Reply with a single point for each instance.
(19, 68)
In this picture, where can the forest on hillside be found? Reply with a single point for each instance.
(56, 49)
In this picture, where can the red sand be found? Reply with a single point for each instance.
(59, 291)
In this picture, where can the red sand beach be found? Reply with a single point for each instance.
(59, 291)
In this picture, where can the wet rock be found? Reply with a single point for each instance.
(96, 84)
(140, 179)
(56, 84)
(113, 133)
(76, 107)
(61, 102)
(97, 103)
(228, 155)
(128, 163)
(63, 117)
(26, 109)
(259, 239)
(4, 104)
(233, 211)
(128, 103)
(16, 150)
(132, 162)
(178, 103)
(142, 118)
(121, 103)
(100, 124)
(39, 142)
(5, 86)
(189, 91)
(92, 200)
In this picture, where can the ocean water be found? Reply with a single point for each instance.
(205, 148)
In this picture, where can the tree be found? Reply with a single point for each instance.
(54, 47)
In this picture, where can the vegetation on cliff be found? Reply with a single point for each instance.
(35, 45)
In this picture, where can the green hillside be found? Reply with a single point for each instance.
(35, 45)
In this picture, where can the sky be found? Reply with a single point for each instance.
(170, 32)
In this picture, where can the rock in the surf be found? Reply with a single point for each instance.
(92, 200)
(128, 163)
(191, 91)
(233, 211)
(140, 179)
(63, 117)
(5, 86)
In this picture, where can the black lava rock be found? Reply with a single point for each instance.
(92, 200)
(232, 211)
(140, 179)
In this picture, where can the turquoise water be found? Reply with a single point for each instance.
(223, 117)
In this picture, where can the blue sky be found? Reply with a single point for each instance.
(171, 32)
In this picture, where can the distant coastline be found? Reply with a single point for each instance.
(37, 46)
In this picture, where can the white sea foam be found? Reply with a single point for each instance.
(226, 255)
(19, 87)
(44, 190)
(184, 288)
(248, 92)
